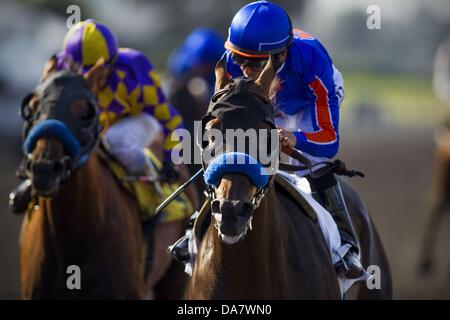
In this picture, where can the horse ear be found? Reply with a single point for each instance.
(265, 78)
(96, 75)
(221, 74)
(49, 67)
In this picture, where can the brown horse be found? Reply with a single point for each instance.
(83, 216)
(440, 202)
(440, 192)
(284, 256)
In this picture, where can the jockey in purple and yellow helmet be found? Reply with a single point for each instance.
(87, 42)
(308, 98)
(133, 109)
(131, 97)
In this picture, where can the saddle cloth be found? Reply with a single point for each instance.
(327, 225)
(147, 195)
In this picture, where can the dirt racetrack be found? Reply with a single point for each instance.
(396, 188)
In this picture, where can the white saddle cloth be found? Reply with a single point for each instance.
(329, 228)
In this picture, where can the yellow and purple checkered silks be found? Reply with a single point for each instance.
(88, 41)
(132, 88)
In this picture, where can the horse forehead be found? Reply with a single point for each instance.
(60, 91)
(243, 109)
(246, 117)
(61, 82)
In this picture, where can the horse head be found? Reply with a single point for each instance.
(239, 145)
(61, 127)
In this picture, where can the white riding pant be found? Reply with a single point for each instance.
(127, 138)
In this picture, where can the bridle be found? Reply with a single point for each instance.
(238, 96)
(53, 118)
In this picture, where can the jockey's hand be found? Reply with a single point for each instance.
(287, 138)
(169, 172)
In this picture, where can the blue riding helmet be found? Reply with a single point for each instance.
(202, 47)
(259, 29)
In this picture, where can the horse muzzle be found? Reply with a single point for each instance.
(46, 175)
(232, 218)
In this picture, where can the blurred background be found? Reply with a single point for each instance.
(388, 121)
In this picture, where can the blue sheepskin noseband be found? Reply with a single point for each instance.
(54, 129)
(236, 162)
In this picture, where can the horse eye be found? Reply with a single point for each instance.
(26, 111)
(88, 114)
(209, 138)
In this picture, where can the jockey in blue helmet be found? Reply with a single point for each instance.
(190, 81)
(308, 100)
(191, 77)
(197, 56)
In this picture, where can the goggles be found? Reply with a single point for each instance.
(254, 63)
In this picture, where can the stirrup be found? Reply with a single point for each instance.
(350, 266)
(180, 250)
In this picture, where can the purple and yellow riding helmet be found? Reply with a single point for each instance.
(88, 41)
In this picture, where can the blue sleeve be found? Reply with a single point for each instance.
(324, 140)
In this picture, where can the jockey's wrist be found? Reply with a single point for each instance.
(301, 139)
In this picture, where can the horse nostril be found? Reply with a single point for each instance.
(38, 167)
(246, 210)
(215, 206)
(57, 167)
(46, 167)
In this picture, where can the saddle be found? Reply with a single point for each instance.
(147, 194)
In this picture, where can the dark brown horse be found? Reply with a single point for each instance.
(83, 217)
(284, 256)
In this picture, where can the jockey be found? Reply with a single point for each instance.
(308, 98)
(133, 108)
(191, 77)
(190, 83)
(197, 57)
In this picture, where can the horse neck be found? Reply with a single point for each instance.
(259, 254)
(267, 229)
(77, 208)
